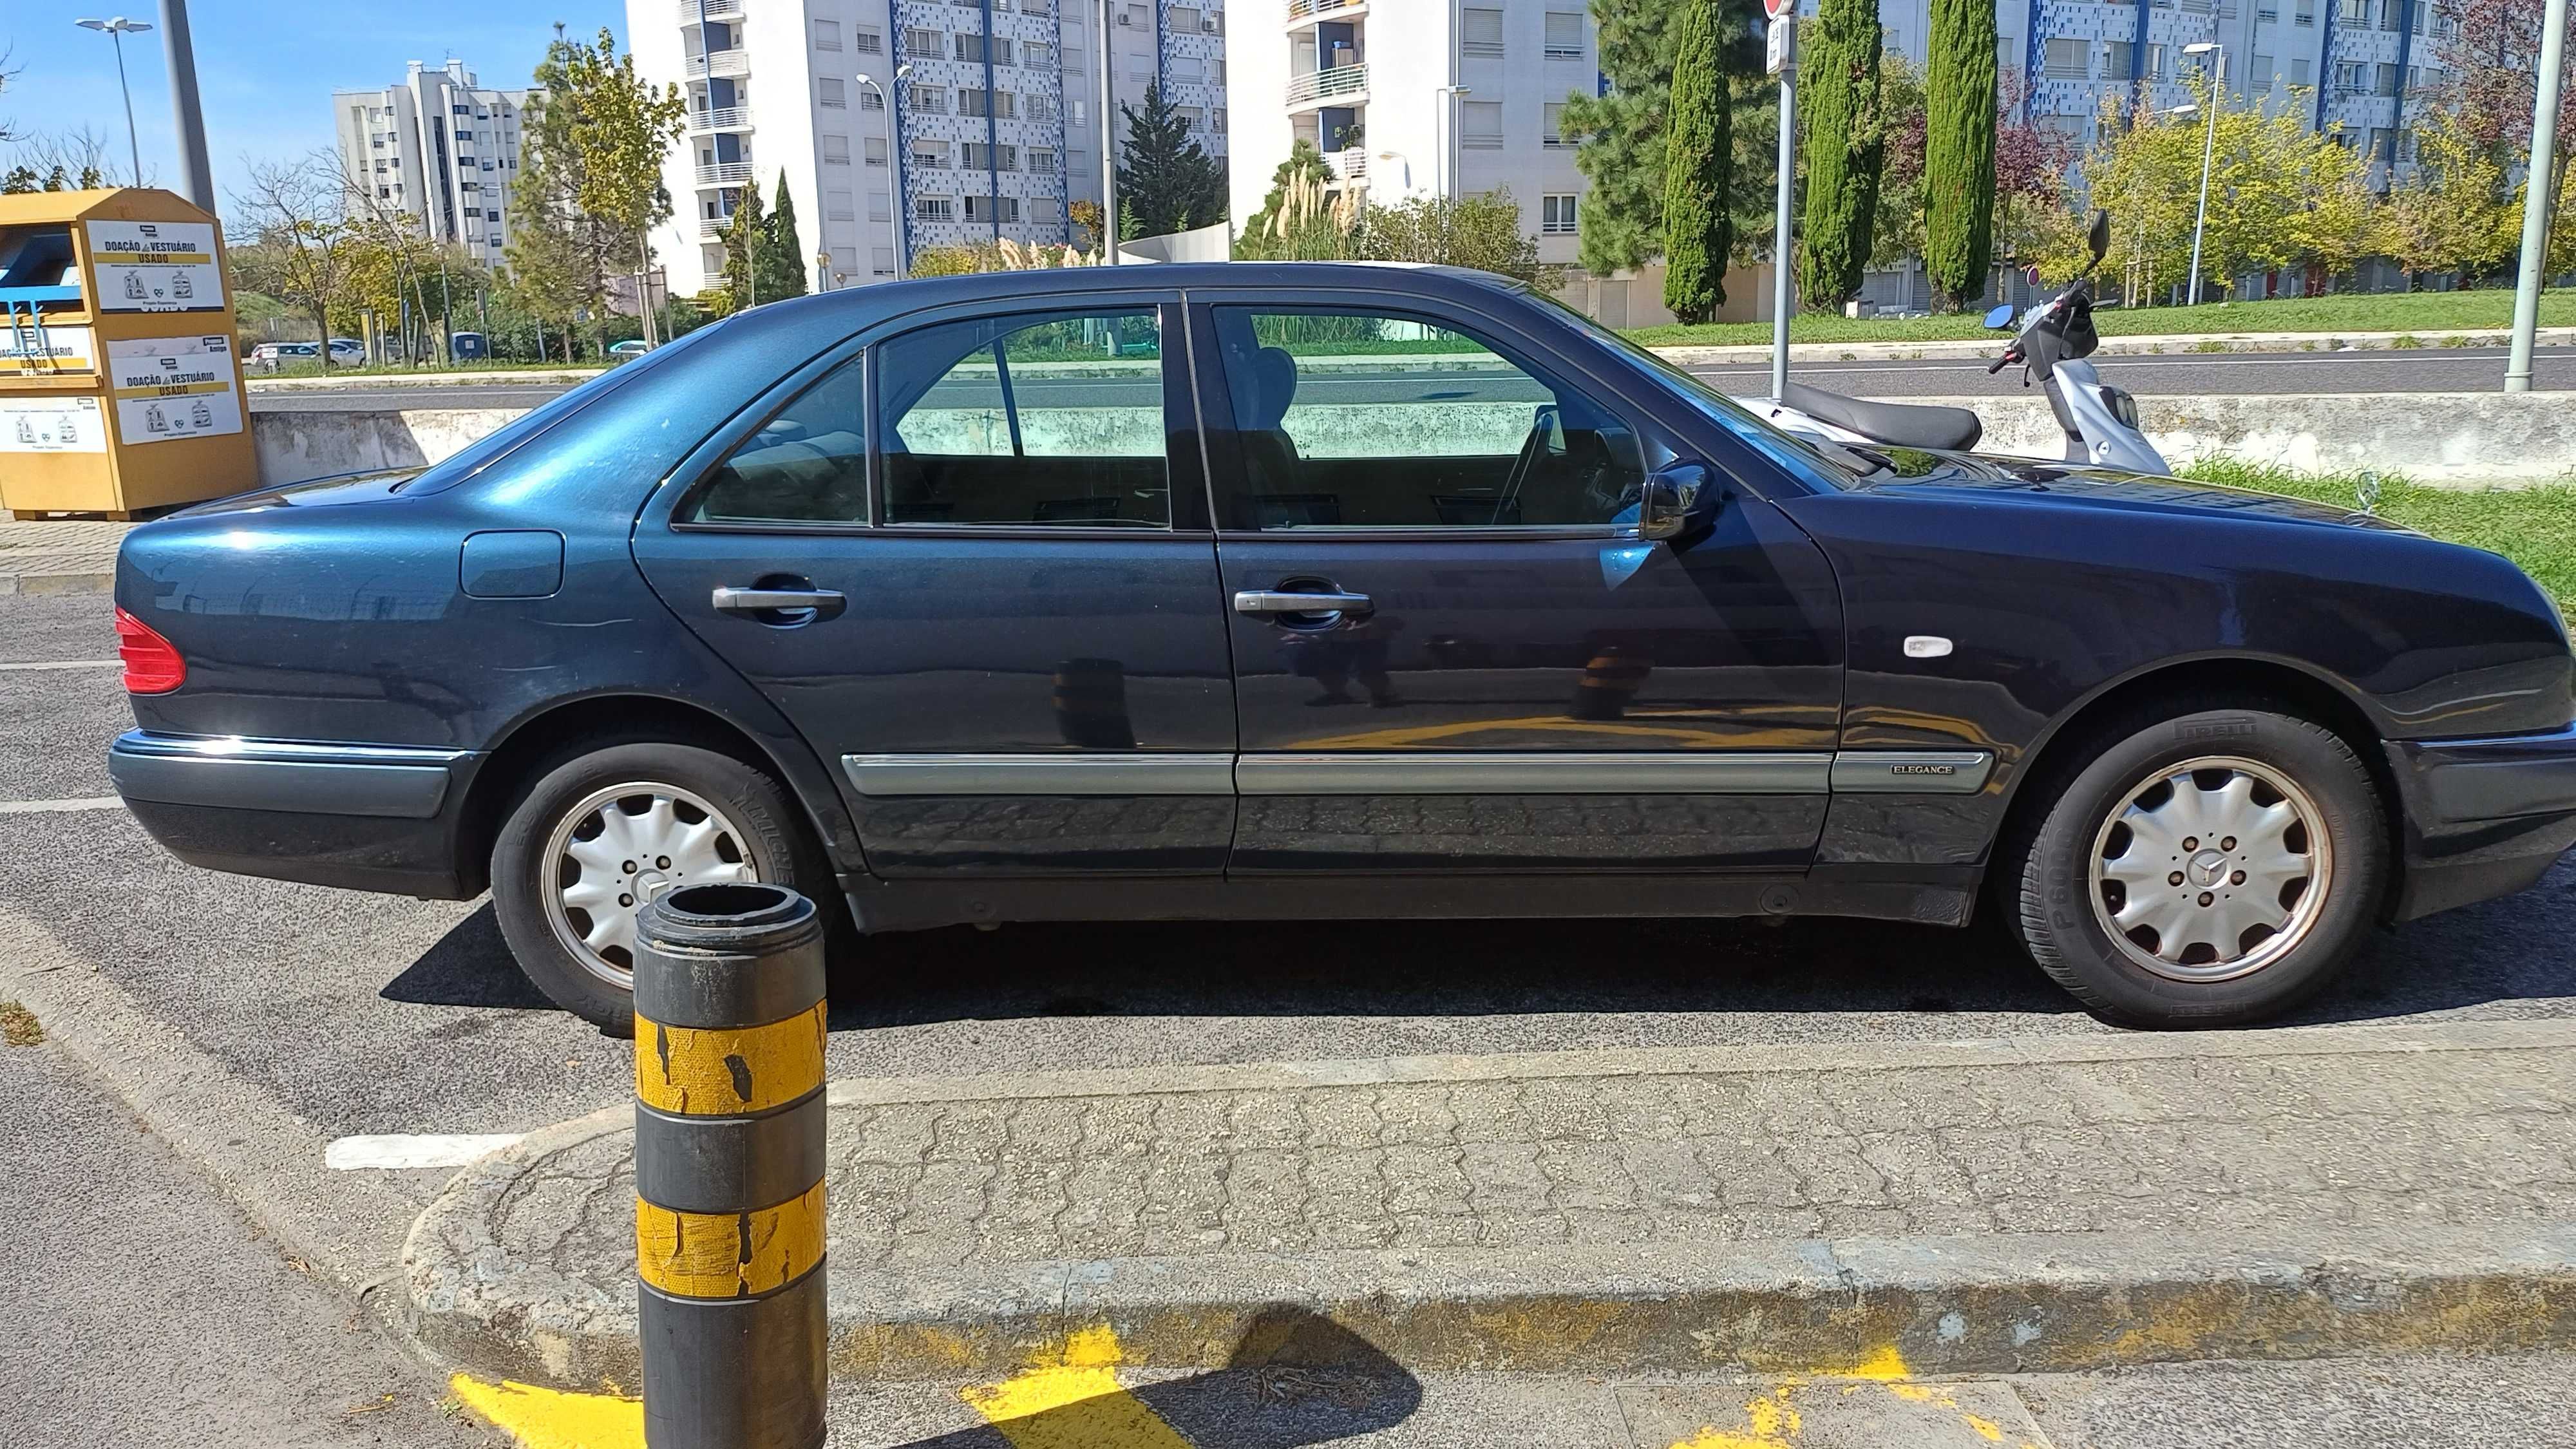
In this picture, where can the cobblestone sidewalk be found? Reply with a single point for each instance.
(58, 556)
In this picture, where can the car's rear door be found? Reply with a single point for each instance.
(1501, 675)
(971, 565)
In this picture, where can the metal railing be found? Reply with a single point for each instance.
(715, 10)
(1350, 165)
(1316, 85)
(1300, 11)
(720, 118)
(723, 173)
(724, 63)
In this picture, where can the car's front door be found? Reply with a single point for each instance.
(1000, 635)
(1496, 672)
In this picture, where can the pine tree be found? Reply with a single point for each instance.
(1699, 157)
(1845, 147)
(1621, 141)
(1959, 150)
(782, 256)
(1165, 178)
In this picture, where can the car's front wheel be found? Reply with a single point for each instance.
(2209, 868)
(599, 834)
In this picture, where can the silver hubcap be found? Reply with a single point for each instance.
(2211, 869)
(622, 846)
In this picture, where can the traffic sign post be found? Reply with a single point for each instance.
(1782, 50)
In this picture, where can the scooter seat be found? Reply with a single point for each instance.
(1906, 425)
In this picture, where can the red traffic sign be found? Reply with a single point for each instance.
(1779, 9)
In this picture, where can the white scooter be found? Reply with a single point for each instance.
(2100, 421)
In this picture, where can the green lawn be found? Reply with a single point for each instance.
(2351, 312)
(2535, 526)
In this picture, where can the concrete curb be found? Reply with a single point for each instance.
(1983, 348)
(1984, 1304)
(101, 581)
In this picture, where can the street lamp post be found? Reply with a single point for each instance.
(822, 269)
(1445, 134)
(117, 28)
(894, 197)
(2208, 149)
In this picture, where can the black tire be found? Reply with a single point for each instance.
(2048, 884)
(750, 799)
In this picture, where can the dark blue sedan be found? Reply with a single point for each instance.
(1324, 591)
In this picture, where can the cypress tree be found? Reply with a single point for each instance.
(1699, 162)
(782, 256)
(1845, 145)
(1959, 150)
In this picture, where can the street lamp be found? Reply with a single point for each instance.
(1400, 159)
(894, 197)
(822, 269)
(1449, 96)
(2208, 149)
(117, 28)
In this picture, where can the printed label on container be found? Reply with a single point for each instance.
(174, 387)
(52, 425)
(154, 266)
(25, 348)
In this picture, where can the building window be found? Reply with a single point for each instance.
(2118, 55)
(836, 150)
(1044, 211)
(924, 43)
(992, 208)
(930, 155)
(1184, 20)
(2064, 57)
(827, 35)
(2265, 74)
(1552, 132)
(1191, 117)
(2387, 79)
(1042, 160)
(1564, 35)
(2306, 14)
(970, 100)
(970, 48)
(930, 100)
(875, 150)
(2156, 62)
(1480, 32)
(835, 96)
(2299, 73)
(867, 40)
(840, 206)
(2348, 77)
(1037, 55)
(934, 208)
(871, 99)
(1557, 215)
(1480, 125)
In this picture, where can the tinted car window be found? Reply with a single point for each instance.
(1353, 418)
(807, 464)
(1053, 419)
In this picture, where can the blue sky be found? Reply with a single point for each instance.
(265, 68)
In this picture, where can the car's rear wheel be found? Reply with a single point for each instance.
(2208, 868)
(599, 834)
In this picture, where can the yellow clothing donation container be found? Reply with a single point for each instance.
(120, 390)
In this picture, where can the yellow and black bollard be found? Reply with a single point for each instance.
(1091, 704)
(729, 1117)
(1609, 682)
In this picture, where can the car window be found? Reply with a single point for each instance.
(807, 464)
(1027, 420)
(1370, 419)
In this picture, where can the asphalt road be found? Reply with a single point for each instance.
(2426, 370)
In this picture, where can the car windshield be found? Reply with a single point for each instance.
(1811, 461)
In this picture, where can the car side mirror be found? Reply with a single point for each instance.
(1680, 500)
(2000, 318)
(2097, 238)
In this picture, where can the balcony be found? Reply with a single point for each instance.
(713, 229)
(714, 10)
(1344, 83)
(719, 118)
(1350, 165)
(723, 173)
(1306, 12)
(729, 64)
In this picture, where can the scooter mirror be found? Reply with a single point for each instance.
(2000, 317)
(2099, 238)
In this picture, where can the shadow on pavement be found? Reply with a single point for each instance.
(2502, 951)
(1294, 1379)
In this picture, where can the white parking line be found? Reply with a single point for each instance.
(389, 1151)
(2126, 360)
(60, 807)
(67, 664)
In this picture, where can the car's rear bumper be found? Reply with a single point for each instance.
(2484, 817)
(368, 817)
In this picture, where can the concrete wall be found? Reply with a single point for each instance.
(2435, 437)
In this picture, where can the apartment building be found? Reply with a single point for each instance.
(439, 149)
(1410, 98)
(904, 124)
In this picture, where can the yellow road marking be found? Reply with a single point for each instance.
(551, 1419)
(1072, 1400)
(726, 1073)
(728, 1255)
(1773, 1421)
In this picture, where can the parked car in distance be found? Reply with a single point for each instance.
(270, 356)
(1255, 591)
(630, 349)
(347, 352)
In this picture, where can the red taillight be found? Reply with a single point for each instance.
(152, 663)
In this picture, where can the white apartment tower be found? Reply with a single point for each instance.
(1414, 98)
(439, 149)
(904, 124)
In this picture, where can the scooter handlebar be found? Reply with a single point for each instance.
(2002, 362)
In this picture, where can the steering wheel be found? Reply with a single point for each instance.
(1533, 448)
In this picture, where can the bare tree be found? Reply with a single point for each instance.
(302, 239)
(74, 160)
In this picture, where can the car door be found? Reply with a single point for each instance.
(969, 565)
(1495, 673)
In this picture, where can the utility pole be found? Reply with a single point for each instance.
(196, 178)
(1108, 138)
(1783, 56)
(2536, 207)
(2208, 149)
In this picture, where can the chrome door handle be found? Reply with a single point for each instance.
(753, 601)
(1274, 601)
